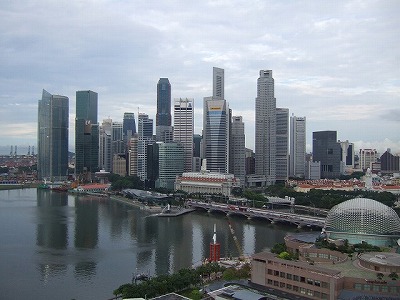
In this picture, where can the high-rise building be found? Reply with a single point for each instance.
(128, 127)
(282, 144)
(133, 156)
(218, 83)
(367, 157)
(163, 117)
(238, 150)
(265, 127)
(105, 145)
(347, 157)
(390, 163)
(145, 137)
(183, 128)
(216, 134)
(297, 146)
(327, 151)
(171, 164)
(53, 124)
(117, 139)
(86, 135)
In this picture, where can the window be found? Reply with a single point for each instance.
(289, 276)
(310, 281)
(325, 285)
(357, 286)
(276, 273)
(317, 283)
(283, 274)
(295, 288)
(289, 286)
(375, 288)
(282, 285)
(276, 283)
(317, 294)
(295, 278)
(302, 279)
(367, 287)
(324, 296)
(269, 271)
(310, 292)
(303, 290)
(384, 288)
(270, 281)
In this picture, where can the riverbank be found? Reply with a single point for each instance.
(17, 186)
(135, 203)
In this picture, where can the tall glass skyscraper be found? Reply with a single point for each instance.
(163, 116)
(145, 137)
(128, 127)
(216, 134)
(327, 151)
(265, 145)
(86, 135)
(53, 124)
(282, 144)
(238, 150)
(218, 83)
(183, 128)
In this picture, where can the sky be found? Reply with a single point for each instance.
(335, 62)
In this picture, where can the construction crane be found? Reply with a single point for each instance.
(241, 255)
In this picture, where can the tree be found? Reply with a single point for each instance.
(279, 248)
(379, 276)
(393, 276)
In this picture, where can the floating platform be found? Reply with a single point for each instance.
(175, 212)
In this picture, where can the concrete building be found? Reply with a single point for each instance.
(128, 128)
(265, 128)
(183, 128)
(238, 150)
(53, 124)
(145, 137)
(206, 182)
(327, 150)
(133, 156)
(367, 157)
(390, 163)
(119, 165)
(105, 145)
(282, 144)
(250, 161)
(297, 146)
(218, 83)
(86, 135)
(163, 116)
(313, 170)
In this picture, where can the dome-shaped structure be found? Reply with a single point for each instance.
(363, 219)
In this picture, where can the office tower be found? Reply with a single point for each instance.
(327, 151)
(197, 145)
(218, 83)
(145, 137)
(282, 144)
(216, 134)
(105, 145)
(265, 127)
(390, 163)
(238, 150)
(117, 140)
(119, 164)
(53, 115)
(347, 157)
(250, 161)
(367, 157)
(163, 117)
(183, 128)
(297, 146)
(152, 164)
(128, 127)
(86, 135)
(171, 164)
(133, 155)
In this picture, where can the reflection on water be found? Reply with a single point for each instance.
(66, 246)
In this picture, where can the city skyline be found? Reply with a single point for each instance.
(334, 63)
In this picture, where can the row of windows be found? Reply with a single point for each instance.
(377, 288)
(298, 289)
(298, 278)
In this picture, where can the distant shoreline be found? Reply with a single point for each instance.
(17, 186)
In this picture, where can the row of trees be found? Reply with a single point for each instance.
(182, 280)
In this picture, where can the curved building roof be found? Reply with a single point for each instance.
(363, 216)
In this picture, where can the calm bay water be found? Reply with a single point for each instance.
(59, 246)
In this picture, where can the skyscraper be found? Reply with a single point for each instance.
(238, 150)
(145, 137)
(163, 117)
(265, 127)
(216, 134)
(327, 151)
(218, 83)
(282, 144)
(297, 146)
(170, 164)
(128, 127)
(53, 115)
(86, 135)
(183, 128)
(347, 157)
(105, 145)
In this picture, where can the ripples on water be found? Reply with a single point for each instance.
(73, 247)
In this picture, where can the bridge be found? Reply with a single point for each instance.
(257, 213)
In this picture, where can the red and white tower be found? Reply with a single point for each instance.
(215, 248)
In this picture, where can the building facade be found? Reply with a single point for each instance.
(347, 157)
(163, 116)
(327, 151)
(105, 145)
(265, 128)
(145, 137)
(367, 157)
(238, 149)
(297, 146)
(53, 124)
(218, 83)
(128, 127)
(86, 135)
(183, 128)
(282, 144)
(171, 164)
(216, 134)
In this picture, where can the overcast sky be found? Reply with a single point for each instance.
(335, 62)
